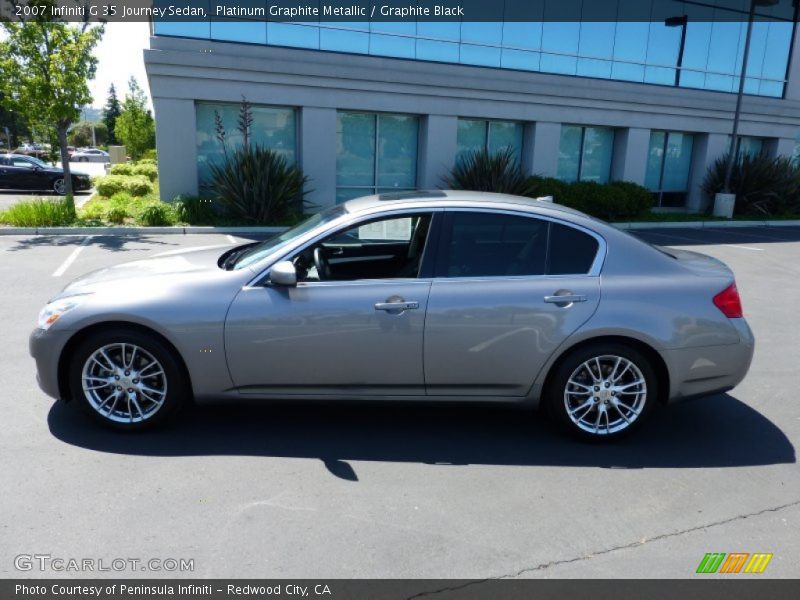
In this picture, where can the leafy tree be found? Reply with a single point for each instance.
(111, 111)
(17, 128)
(81, 134)
(135, 126)
(46, 65)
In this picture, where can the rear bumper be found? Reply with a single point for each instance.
(710, 369)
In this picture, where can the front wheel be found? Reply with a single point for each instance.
(127, 379)
(60, 186)
(602, 391)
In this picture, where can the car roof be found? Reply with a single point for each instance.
(456, 198)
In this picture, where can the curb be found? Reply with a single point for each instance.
(192, 229)
(704, 224)
(196, 229)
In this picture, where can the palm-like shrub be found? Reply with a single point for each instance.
(763, 185)
(484, 172)
(252, 182)
(255, 184)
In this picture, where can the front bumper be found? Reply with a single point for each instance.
(46, 347)
(710, 369)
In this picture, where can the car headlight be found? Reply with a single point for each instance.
(56, 309)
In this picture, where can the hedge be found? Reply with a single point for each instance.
(135, 185)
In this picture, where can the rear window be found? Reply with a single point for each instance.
(571, 252)
(478, 244)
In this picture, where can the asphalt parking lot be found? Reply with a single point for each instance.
(344, 491)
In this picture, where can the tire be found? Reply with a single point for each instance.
(117, 397)
(59, 186)
(591, 405)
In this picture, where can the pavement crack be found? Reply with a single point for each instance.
(642, 542)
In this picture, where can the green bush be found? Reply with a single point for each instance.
(155, 214)
(149, 154)
(484, 172)
(539, 186)
(121, 169)
(763, 186)
(116, 215)
(146, 169)
(256, 185)
(39, 213)
(638, 199)
(195, 210)
(135, 185)
(93, 211)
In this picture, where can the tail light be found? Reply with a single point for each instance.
(729, 303)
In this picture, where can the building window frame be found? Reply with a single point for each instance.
(660, 193)
(375, 187)
(582, 151)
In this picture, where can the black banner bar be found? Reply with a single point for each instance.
(394, 10)
(704, 587)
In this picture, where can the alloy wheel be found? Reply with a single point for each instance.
(124, 383)
(59, 187)
(605, 394)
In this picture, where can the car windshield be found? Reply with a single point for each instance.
(255, 253)
(36, 161)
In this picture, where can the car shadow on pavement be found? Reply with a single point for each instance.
(718, 431)
(113, 243)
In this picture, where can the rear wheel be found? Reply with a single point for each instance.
(127, 379)
(59, 186)
(602, 391)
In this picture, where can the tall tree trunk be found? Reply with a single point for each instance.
(62, 142)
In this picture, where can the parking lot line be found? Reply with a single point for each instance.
(743, 247)
(71, 258)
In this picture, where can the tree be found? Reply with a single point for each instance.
(81, 134)
(135, 126)
(46, 66)
(111, 111)
(17, 128)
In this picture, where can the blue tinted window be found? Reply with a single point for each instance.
(475, 135)
(375, 152)
(273, 127)
(585, 153)
(555, 36)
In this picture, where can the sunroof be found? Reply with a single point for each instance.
(415, 195)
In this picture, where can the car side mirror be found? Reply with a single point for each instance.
(283, 273)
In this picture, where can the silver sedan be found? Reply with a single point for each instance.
(460, 296)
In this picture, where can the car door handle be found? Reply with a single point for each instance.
(390, 306)
(565, 299)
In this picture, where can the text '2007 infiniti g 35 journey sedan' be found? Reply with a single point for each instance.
(425, 295)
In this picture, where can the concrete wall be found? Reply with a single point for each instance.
(181, 71)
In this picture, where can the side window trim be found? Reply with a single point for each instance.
(446, 233)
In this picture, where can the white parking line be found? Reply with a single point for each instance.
(232, 240)
(743, 247)
(71, 258)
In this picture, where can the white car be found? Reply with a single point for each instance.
(89, 155)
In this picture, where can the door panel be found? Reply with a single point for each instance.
(492, 336)
(328, 338)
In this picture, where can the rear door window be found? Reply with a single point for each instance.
(478, 244)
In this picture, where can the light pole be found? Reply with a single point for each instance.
(681, 22)
(724, 202)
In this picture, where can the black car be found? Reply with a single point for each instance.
(19, 172)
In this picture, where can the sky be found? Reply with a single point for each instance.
(120, 57)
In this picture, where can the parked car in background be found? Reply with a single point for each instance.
(37, 150)
(89, 155)
(459, 296)
(20, 172)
